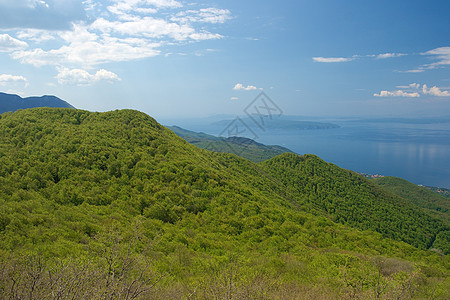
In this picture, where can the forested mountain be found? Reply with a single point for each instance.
(434, 203)
(11, 102)
(241, 146)
(114, 205)
(441, 191)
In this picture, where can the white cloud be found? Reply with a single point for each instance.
(389, 55)
(398, 93)
(7, 79)
(414, 86)
(125, 8)
(87, 49)
(82, 77)
(241, 87)
(356, 56)
(9, 44)
(441, 54)
(200, 36)
(145, 27)
(149, 27)
(234, 98)
(331, 59)
(435, 91)
(413, 71)
(204, 15)
(124, 33)
(37, 35)
(413, 90)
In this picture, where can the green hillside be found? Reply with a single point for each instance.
(244, 147)
(348, 198)
(115, 206)
(434, 203)
(441, 191)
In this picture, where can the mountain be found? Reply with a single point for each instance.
(348, 198)
(241, 146)
(114, 205)
(281, 124)
(10, 102)
(441, 191)
(434, 203)
(422, 120)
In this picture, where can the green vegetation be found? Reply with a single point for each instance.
(115, 206)
(348, 198)
(241, 146)
(441, 191)
(432, 202)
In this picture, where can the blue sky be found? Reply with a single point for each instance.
(176, 58)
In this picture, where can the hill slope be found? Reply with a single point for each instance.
(435, 204)
(116, 205)
(10, 102)
(441, 191)
(348, 198)
(241, 146)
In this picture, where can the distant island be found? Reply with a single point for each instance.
(12, 102)
(423, 120)
(284, 124)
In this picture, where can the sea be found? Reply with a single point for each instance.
(419, 153)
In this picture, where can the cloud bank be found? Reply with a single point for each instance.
(413, 91)
(86, 34)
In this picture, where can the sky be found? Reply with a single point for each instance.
(182, 58)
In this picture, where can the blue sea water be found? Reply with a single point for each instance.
(419, 153)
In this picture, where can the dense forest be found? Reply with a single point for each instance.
(244, 147)
(115, 206)
(348, 198)
(434, 203)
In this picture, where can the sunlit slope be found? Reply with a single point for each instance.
(75, 157)
(435, 204)
(348, 198)
(80, 184)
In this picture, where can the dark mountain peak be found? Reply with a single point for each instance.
(12, 102)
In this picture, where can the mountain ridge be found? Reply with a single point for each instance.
(12, 102)
(241, 146)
